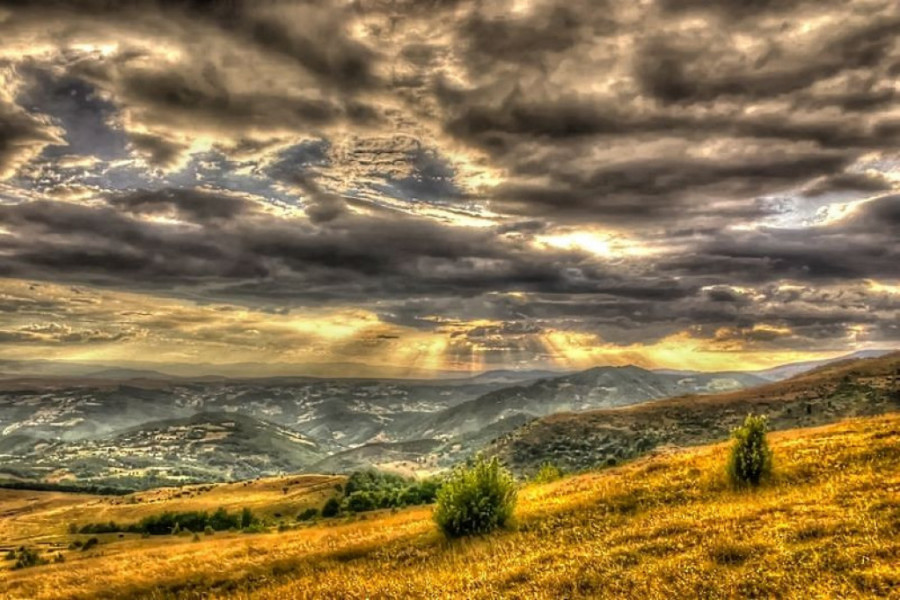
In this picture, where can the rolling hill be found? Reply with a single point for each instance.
(207, 446)
(665, 526)
(599, 387)
(606, 437)
(106, 430)
(103, 430)
(468, 426)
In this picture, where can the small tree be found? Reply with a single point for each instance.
(90, 544)
(547, 473)
(361, 501)
(246, 518)
(751, 459)
(308, 514)
(332, 507)
(26, 557)
(475, 499)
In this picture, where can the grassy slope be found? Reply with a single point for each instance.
(43, 517)
(665, 526)
(585, 439)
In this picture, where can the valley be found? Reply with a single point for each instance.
(663, 526)
(580, 440)
(150, 431)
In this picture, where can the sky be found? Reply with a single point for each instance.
(449, 184)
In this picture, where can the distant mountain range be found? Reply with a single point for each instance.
(140, 427)
(792, 369)
(827, 393)
(247, 370)
(125, 370)
(206, 446)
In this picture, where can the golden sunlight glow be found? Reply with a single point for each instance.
(129, 326)
(837, 212)
(101, 49)
(881, 286)
(599, 243)
(681, 350)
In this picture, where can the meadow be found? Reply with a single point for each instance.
(664, 526)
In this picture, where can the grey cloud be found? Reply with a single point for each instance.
(675, 74)
(849, 182)
(157, 150)
(862, 246)
(687, 125)
(23, 136)
(58, 333)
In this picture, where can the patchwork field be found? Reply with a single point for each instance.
(665, 526)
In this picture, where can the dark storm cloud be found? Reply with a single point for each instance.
(319, 43)
(707, 134)
(192, 205)
(230, 240)
(244, 69)
(157, 151)
(552, 29)
(781, 107)
(57, 333)
(23, 135)
(679, 70)
(662, 190)
(849, 182)
(863, 246)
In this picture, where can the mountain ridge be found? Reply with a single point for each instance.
(580, 440)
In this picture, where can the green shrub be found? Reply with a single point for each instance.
(246, 518)
(90, 544)
(372, 489)
(26, 557)
(332, 507)
(110, 527)
(547, 473)
(362, 501)
(750, 461)
(308, 514)
(256, 527)
(422, 492)
(475, 499)
(372, 481)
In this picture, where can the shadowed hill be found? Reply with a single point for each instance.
(664, 526)
(598, 387)
(207, 446)
(606, 437)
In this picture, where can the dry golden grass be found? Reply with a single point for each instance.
(45, 516)
(663, 527)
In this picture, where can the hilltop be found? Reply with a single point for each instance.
(578, 440)
(154, 431)
(206, 446)
(109, 431)
(665, 526)
(449, 435)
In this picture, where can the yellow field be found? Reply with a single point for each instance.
(44, 517)
(666, 526)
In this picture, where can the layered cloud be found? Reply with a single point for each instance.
(508, 183)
